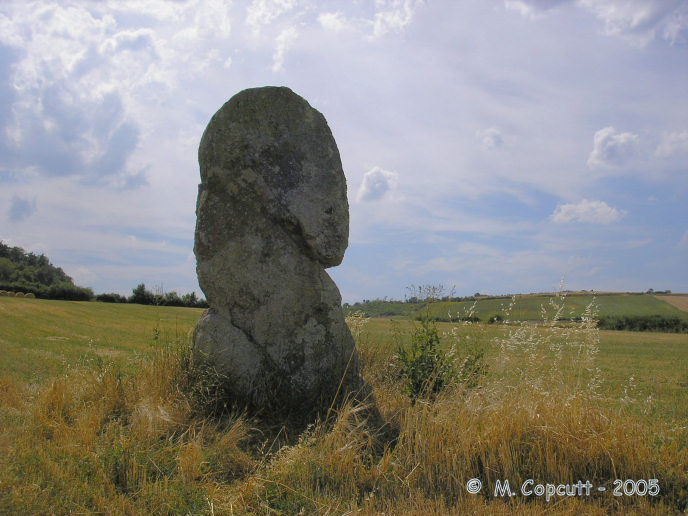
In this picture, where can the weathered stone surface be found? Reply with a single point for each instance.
(272, 214)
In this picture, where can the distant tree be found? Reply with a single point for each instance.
(190, 300)
(172, 299)
(69, 292)
(111, 298)
(141, 296)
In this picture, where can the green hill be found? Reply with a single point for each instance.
(33, 273)
(529, 307)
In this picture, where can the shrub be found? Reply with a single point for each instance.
(495, 319)
(111, 298)
(424, 368)
(69, 292)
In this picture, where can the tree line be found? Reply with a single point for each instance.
(33, 273)
(643, 323)
(142, 296)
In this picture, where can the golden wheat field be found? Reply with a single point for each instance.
(680, 301)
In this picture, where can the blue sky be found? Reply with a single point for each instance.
(494, 146)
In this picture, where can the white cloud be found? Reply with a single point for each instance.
(676, 26)
(673, 143)
(394, 16)
(83, 276)
(641, 20)
(336, 22)
(611, 148)
(9, 32)
(263, 12)
(132, 40)
(532, 9)
(377, 183)
(391, 16)
(490, 138)
(71, 84)
(283, 42)
(594, 212)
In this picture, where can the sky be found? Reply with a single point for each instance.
(488, 146)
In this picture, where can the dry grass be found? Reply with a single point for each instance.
(95, 440)
(680, 301)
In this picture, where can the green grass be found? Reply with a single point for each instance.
(658, 364)
(40, 338)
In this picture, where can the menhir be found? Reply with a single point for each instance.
(272, 214)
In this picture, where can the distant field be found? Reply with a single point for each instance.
(530, 307)
(680, 301)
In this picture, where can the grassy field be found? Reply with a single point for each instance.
(100, 413)
(644, 365)
(40, 338)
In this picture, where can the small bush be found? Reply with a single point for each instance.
(495, 319)
(424, 368)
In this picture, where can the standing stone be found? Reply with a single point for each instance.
(272, 214)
